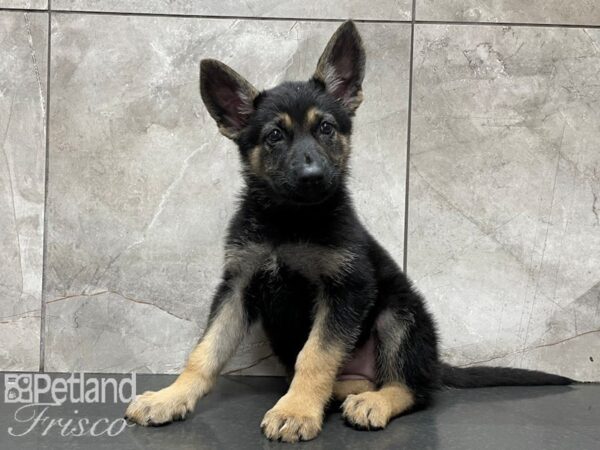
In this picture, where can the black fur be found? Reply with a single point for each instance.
(282, 205)
(478, 376)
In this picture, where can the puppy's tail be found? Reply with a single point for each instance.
(480, 376)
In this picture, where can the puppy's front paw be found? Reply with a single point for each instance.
(289, 421)
(159, 408)
(366, 411)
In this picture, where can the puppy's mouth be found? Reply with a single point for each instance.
(307, 194)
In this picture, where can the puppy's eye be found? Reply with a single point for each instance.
(326, 128)
(274, 136)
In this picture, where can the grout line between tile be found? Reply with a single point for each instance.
(6, 8)
(308, 19)
(506, 24)
(46, 171)
(224, 17)
(23, 10)
(408, 131)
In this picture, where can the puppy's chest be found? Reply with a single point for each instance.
(315, 263)
(282, 283)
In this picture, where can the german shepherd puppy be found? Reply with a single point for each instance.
(339, 313)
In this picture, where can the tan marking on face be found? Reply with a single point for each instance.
(286, 121)
(301, 409)
(313, 116)
(345, 141)
(373, 410)
(343, 157)
(344, 388)
(255, 159)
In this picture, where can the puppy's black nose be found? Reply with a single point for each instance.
(311, 173)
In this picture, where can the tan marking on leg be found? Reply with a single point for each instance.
(204, 365)
(374, 410)
(392, 331)
(298, 415)
(344, 388)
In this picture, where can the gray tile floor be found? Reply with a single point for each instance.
(497, 418)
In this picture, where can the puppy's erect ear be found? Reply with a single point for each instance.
(228, 97)
(341, 67)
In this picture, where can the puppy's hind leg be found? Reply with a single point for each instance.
(358, 373)
(344, 388)
(227, 326)
(406, 370)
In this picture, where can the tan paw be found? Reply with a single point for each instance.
(159, 408)
(288, 421)
(367, 411)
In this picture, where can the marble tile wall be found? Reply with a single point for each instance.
(134, 244)
(24, 4)
(504, 218)
(572, 12)
(340, 9)
(23, 69)
(503, 187)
